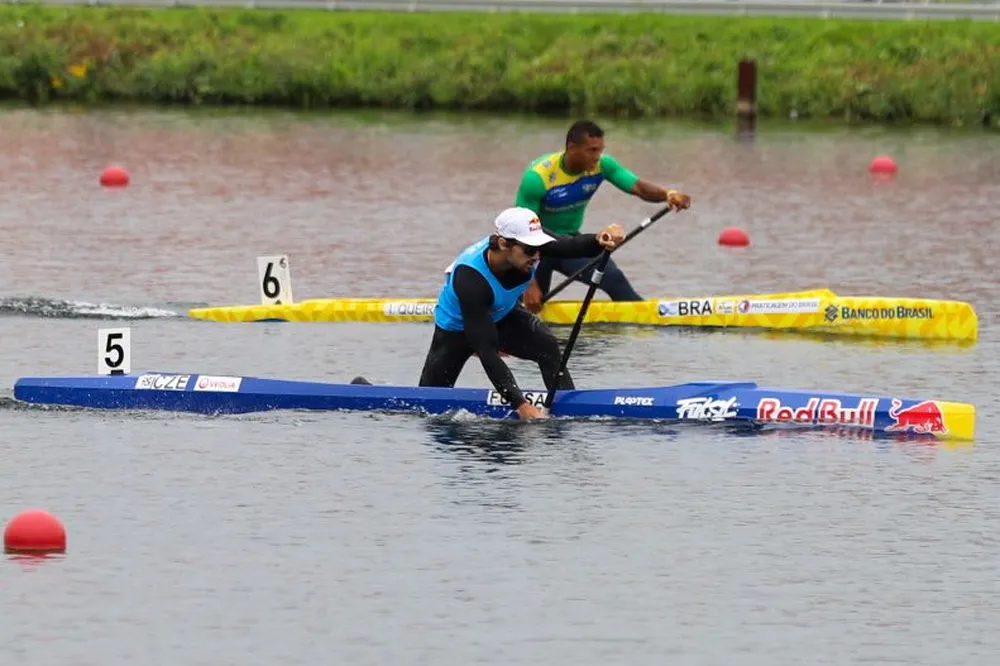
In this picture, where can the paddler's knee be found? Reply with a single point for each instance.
(548, 348)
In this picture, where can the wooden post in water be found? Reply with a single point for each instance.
(746, 93)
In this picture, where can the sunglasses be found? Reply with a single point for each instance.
(529, 250)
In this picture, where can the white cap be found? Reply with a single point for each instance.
(523, 225)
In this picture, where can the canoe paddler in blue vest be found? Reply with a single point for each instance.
(558, 186)
(478, 312)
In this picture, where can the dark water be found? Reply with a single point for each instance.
(366, 539)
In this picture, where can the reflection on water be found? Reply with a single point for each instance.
(492, 443)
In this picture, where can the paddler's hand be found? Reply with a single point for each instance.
(528, 412)
(611, 236)
(533, 297)
(678, 200)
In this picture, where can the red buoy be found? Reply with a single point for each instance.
(883, 164)
(734, 236)
(114, 176)
(34, 531)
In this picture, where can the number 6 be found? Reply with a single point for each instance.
(274, 280)
(271, 285)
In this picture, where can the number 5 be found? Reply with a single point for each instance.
(114, 355)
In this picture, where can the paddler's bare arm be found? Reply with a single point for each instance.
(627, 181)
(648, 191)
(655, 194)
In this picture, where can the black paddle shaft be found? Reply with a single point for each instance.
(632, 234)
(598, 274)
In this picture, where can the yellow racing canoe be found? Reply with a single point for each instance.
(814, 311)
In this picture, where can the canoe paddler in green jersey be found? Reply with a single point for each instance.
(558, 187)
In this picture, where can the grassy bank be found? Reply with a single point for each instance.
(942, 72)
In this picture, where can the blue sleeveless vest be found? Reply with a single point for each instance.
(448, 313)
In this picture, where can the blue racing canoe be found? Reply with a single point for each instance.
(710, 401)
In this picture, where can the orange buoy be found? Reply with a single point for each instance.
(734, 236)
(114, 176)
(883, 164)
(34, 531)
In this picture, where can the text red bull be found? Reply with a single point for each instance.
(924, 418)
(826, 411)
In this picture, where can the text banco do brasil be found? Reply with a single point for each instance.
(898, 312)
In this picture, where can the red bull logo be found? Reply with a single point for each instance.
(534, 225)
(825, 411)
(924, 418)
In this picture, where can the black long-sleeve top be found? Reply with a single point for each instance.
(475, 297)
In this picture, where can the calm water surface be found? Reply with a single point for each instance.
(370, 539)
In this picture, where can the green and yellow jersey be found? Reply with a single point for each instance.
(560, 198)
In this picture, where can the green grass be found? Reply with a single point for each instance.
(628, 65)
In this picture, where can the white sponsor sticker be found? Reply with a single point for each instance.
(536, 398)
(162, 382)
(725, 307)
(408, 309)
(221, 384)
(641, 400)
(779, 306)
(691, 307)
(706, 409)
